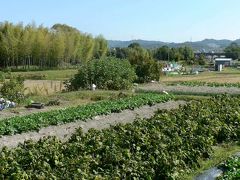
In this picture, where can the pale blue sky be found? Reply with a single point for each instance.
(165, 20)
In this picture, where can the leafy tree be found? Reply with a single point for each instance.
(202, 60)
(183, 53)
(43, 47)
(141, 59)
(134, 45)
(162, 53)
(233, 51)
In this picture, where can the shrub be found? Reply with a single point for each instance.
(34, 76)
(108, 73)
(148, 71)
(146, 68)
(13, 89)
(2, 76)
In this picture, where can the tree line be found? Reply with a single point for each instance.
(43, 47)
(163, 53)
(233, 51)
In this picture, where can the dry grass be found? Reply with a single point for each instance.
(62, 74)
(227, 76)
(43, 87)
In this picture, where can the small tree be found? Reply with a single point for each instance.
(108, 73)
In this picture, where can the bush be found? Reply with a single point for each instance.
(146, 68)
(148, 71)
(13, 89)
(107, 73)
(2, 76)
(34, 76)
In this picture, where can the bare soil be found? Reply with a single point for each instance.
(65, 131)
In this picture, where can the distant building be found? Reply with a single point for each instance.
(222, 62)
(171, 67)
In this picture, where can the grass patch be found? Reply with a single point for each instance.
(75, 96)
(49, 74)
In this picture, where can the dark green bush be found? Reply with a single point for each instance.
(146, 68)
(148, 71)
(108, 73)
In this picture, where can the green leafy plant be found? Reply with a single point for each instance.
(13, 89)
(231, 168)
(108, 73)
(33, 122)
(163, 147)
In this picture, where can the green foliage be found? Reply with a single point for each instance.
(13, 89)
(146, 68)
(232, 169)
(233, 51)
(106, 73)
(148, 71)
(162, 147)
(31, 122)
(201, 60)
(34, 76)
(174, 54)
(141, 59)
(134, 45)
(2, 76)
(42, 47)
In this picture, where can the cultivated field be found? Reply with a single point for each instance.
(153, 131)
(229, 75)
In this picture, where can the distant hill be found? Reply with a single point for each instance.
(205, 45)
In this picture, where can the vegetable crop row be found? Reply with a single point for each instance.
(32, 122)
(210, 84)
(163, 147)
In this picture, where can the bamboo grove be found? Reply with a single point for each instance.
(41, 47)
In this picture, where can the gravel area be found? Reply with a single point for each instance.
(188, 89)
(65, 131)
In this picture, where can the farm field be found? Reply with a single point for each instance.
(188, 90)
(228, 75)
(64, 131)
(17, 130)
(162, 146)
(66, 99)
(63, 120)
(34, 122)
(92, 90)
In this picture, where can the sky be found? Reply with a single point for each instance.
(160, 20)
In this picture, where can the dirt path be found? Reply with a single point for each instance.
(99, 122)
(189, 89)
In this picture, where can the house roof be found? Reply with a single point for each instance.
(223, 59)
